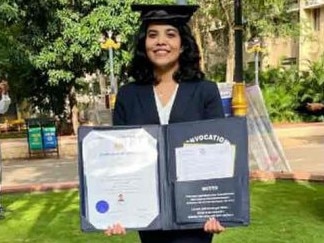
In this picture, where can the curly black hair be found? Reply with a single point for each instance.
(141, 68)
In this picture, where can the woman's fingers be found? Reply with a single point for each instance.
(108, 231)
(212, 225)
(115, 229)
(120, 230)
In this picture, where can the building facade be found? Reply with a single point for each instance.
(308, 46)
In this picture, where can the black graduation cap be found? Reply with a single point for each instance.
(165, 13)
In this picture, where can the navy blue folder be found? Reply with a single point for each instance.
(227, 198)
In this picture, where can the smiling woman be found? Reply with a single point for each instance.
(163, 45)
(163, 48)
(169, 87)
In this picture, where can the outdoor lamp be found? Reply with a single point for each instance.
(110, 44)
(256, 46)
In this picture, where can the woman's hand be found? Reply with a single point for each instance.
(314, 106)
(115, 229)
(212, 225)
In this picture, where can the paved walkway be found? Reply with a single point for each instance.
(303, 145)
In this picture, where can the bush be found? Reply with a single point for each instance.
(280, 88)
(15, 134)
(286, 92)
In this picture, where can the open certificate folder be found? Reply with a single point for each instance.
(164, 177)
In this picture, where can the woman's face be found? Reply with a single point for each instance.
(163, 46)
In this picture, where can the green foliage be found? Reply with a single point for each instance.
(75, 49)
(286, 91)
(45, 44)
(68, 42)
(8, 11)
(8, 14)
(270, 18)
(280, 106)
(10, 135)
(260, 17)
(217, 73)
(313, 82)
(280, 88)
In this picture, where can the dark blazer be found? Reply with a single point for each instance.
(135, 104)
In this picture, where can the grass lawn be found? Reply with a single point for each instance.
(281, 211)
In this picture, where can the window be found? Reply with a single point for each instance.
(289, 61)
(316, 19)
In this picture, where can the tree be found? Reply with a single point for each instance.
(261, 18)
(8, 14)
(74, 34)
(47, 46)
(15, 65)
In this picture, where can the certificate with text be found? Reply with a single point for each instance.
(117, 166)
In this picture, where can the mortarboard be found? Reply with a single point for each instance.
(165, 13)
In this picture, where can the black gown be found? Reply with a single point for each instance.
(194, 101)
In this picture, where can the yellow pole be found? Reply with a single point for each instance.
(239, 102)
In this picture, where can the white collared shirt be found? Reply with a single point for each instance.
(164, 111)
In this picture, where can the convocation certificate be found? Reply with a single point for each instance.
(121, 178)
(205, 161)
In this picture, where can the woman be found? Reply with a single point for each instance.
(168, 88)
(4, 97)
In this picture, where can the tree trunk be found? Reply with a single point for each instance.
(102, 86)
(74, 112)
(230, 61)
(197, 35)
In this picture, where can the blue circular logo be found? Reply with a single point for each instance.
(102, 206)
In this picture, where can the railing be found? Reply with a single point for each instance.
(293, 7)
(309, 4)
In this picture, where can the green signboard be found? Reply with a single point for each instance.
(35, 138)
